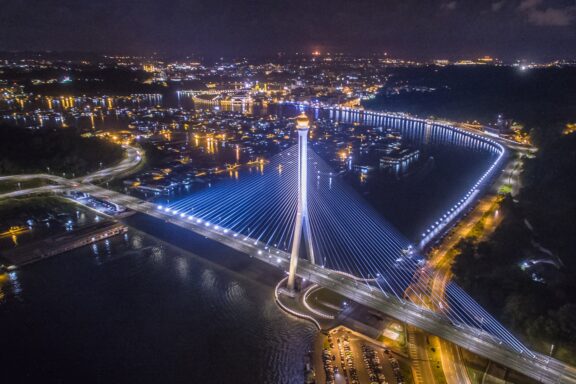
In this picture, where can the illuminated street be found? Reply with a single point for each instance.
(462, 335)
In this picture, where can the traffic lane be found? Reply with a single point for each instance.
(427, 321)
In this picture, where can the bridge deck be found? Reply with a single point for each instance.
(542, 368)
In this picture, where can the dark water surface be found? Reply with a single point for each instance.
(136, 310)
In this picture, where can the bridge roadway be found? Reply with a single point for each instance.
(542, 368)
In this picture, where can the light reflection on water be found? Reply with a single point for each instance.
(448, 164)
(137, 241)
(182, 267)
(138, 299)
(208, 280)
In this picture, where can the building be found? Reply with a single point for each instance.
(399, 162)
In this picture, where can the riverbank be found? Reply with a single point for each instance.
(137, 298)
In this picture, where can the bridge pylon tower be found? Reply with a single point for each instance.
(302, 227)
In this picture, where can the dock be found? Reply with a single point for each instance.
(55, 245)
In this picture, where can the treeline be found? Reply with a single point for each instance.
(84, 80)
(55, 151)
(538, 303)
(535, 97)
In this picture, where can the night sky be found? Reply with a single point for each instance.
(509, 29)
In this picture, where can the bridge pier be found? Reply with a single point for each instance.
(302, 227)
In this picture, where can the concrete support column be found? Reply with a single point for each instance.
(303, 126)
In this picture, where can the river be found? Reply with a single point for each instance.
(137, 310)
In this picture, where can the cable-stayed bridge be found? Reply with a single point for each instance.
(349, 240)
(508, 351)
(347, 234)
(297, 197)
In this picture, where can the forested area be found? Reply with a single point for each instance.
(53, 151)
(538, 232)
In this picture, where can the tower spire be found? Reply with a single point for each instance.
(302, 227)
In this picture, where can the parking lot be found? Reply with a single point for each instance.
(350, 359)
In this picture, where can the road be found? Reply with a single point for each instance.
(131, 161)
(440, 265)
(543, 368)
(421, 366)
(453, 364)
(540, 367)
(442, 258)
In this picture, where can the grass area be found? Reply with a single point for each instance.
(513, 377)
(10, 186)
(406, 371)
(561, 353)
(62, 152)
(326, 296)
(475, 365)
(399, 344)
(394, 344)
(20, 210)
(486, 223)
(505, 190)
(475, 375)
